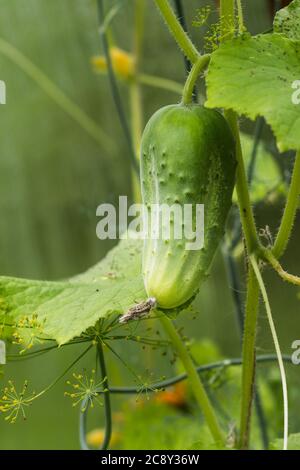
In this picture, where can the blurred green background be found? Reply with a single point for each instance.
(53, 175)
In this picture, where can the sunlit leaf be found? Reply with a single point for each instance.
(66, 309)
(254, 76)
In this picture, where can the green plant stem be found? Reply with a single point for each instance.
(198, 67)
(227, 14)
(290, 211)
(136, 108)
(138, 31)
(107, 405)
(161, 386)
(246, 213)
(268, 256)
(277, 348)
(240, 15)
(177, 31)
(252, 302)
(248, 357)
(179, 11)
(57, 95)
(114, 88)
(135, 88)
(195, 381)
(227, 11)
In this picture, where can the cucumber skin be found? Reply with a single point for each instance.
(187, 157)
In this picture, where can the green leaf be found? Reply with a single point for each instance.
(66, 309)
(254, 76)
(293, 443)
(267, 182)
(287, 20)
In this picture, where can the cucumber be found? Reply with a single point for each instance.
(187, 157)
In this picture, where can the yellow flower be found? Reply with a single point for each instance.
(95, 438)
(122, 62)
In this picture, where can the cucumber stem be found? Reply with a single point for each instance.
(195, 381)
(198, 67)
(177, 31)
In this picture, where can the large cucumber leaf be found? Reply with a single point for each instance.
(254, 76)
(64, 310)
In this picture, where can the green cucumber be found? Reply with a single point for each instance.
(187, 157)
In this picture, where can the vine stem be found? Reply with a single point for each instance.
(252, 299)
(107, 407)
(115, 89)
(197, 68)
(277, 347)
(233, 275)
(195, 381)
(179, 11)
(161, 386)
(248, 357)
(290, 211)
(227, 15)
(246, 213)
(268, 256)
(227, 10)
(177, 31)
(136, 108)
(240, 15)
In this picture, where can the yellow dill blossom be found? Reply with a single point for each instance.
(13, 403)
(122, 62)
(95, 438)
(29, 331)
(85, 390)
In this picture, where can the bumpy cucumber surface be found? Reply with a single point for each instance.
(187, 157)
